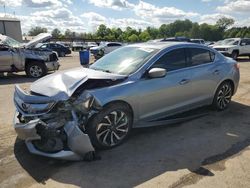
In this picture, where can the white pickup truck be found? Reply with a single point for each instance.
(234, 47)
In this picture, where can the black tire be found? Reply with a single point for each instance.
(222, 97)
(98, 127)
(36, 69)
(62, 54)
(235, 55)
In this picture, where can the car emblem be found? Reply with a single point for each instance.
(25, 106)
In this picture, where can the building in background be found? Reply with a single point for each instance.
(11, 27)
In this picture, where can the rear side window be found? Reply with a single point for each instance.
(173, 60)
(199, 56)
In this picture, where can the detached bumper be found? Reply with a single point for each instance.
(52, 65)
(78, 143)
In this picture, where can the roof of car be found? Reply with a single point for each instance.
(162, 45)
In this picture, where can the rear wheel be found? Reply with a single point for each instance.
(35, 69)
(223, 96)
(235, 55)
(110, 127)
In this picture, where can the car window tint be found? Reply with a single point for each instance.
(247, 41)
(172, 60)
(199, 56)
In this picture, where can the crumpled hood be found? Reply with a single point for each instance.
(38, 39)
(61, 85)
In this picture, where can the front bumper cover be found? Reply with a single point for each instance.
(78, 142)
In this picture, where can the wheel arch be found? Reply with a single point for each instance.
(121, 102)
(229, 81)
(30, 60)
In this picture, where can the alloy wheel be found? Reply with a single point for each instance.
(113, 128)
(224, 96)
(36, 71)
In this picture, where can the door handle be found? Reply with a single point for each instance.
(184, 81)
(216, 72)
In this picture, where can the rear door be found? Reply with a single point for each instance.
(168, 95)
(206, 74)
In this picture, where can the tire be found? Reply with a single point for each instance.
(62, 54)
(35, 69)
(104, 131)
(235, 55)
(222, 97)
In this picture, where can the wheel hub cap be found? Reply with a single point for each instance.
(113, 128)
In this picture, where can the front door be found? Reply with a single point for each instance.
(6, 59)
(160, 97)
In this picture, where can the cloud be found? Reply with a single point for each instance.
(160, 15)
(113, 4)
(11, 3)
(212, 18)
(235, 6)
(61, 18)
(41, 3)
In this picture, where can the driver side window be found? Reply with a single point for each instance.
(173, 60)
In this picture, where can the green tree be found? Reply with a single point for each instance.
(133, 38)
(144, 36)
(37, 30)
(224, 23)
(68, 33)
(56, 33)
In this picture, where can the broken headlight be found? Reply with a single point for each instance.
(85, 102)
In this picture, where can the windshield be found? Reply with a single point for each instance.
(10, 42)
(125, 60)
(230, 41)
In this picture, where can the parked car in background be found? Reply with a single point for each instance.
(234, 47)
(175, 39)
(104, 48)
(71, 113)
(91, 44)
(197, 41)
(16, 57)
(76, 46)
(59, 48)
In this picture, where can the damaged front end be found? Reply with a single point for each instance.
(54, 128)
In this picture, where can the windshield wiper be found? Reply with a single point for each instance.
(103, 70)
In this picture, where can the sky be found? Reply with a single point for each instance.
(87, 15)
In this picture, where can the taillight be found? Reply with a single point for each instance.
(237, 65)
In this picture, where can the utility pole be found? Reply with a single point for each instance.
(4, 10)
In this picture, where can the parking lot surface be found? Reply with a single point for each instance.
(210, 151)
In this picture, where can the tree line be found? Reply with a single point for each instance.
(186, 28)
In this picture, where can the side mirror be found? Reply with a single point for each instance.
(157, 73)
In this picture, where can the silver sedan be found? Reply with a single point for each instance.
(69, 114)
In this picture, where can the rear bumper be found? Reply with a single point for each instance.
(78, 143)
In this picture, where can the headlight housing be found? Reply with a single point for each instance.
(85, 102)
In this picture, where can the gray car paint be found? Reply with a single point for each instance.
(62, 85)
(148, 99)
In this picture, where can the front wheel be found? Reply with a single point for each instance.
(35, 69)
(110, 127)
(223, 96)
(235, 55)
